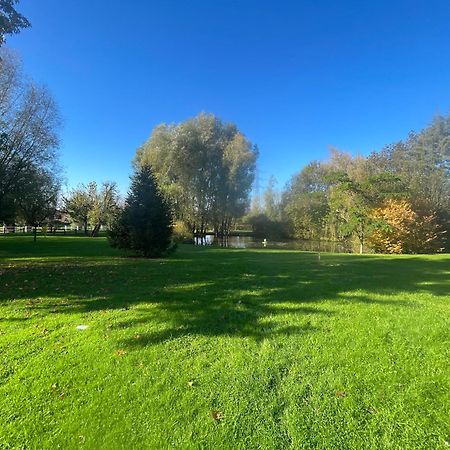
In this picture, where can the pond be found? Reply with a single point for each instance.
(292, 244)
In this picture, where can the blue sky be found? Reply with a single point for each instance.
(295, 76)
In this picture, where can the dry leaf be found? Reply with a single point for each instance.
(341, 394)
(191, 383)
(217, 415)
(121, 352)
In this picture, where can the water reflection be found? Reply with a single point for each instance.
(252, 242)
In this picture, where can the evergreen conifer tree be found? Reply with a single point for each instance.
(145, 223)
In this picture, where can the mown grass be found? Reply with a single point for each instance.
(218, 349)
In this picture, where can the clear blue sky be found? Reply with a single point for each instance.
(295, 76)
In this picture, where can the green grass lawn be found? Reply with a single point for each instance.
(217, 349)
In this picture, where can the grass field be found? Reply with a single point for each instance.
(218, 349)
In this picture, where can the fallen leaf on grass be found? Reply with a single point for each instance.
(121, 352)
(190, 383)
(341, 394)
(217, 415)
(371, 410)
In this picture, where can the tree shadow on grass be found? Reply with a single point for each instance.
(210, 292)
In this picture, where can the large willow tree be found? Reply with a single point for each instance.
(205, 167)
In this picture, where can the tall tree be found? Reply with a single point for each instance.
(205, 167)
(38, 198)
(29, 124)
(422, 163)
(145, 223)
(79, 204)
(305, 202)
(272, 200)
(105, 203)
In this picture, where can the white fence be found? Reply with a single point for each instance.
(45, 229)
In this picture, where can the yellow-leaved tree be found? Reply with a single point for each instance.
(402, 227)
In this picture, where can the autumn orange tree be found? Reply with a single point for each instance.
(404, 227)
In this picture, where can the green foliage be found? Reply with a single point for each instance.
(272, 204)
(307, 214)
(305, 202)
(93, 205)
(339, 198)
(145, 224)
(205, 168)
(181, 232)
(105, 205)
(264, 227)
(350, 203)
(37, 199)
(11, 21)
(80, 203)
(422, 164)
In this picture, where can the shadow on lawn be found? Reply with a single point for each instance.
(214, 292)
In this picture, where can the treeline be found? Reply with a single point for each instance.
(396, 200)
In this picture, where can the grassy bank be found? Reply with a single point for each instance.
(217, 348)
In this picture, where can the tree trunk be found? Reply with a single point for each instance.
(34, 234)
(95, 230)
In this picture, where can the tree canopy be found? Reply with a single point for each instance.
(29, 125)
(37, 198)
(205, 168)
(355, 198)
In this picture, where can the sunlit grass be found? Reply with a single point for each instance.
(217, 348)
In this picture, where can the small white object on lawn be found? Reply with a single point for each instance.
(82, 327)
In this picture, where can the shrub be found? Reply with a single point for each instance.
(181, 232)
